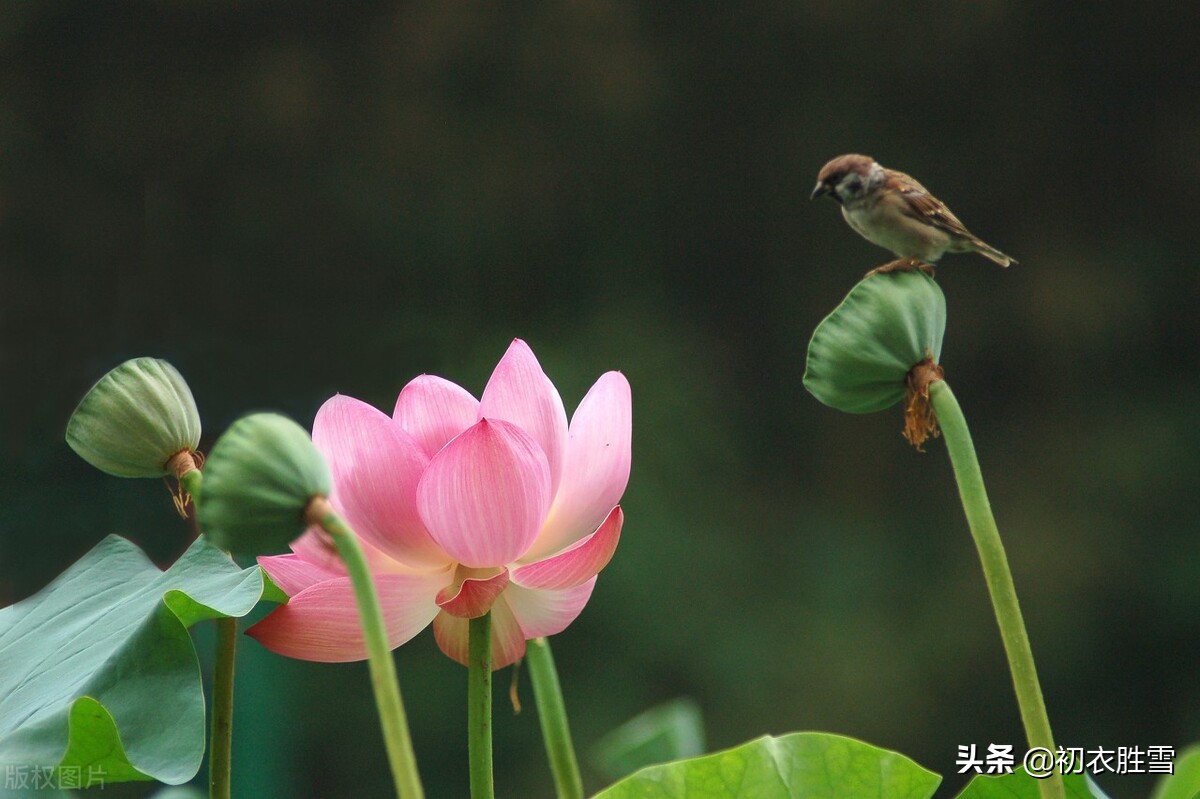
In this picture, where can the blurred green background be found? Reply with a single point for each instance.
(293, 199)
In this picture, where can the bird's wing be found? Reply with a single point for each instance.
(920, 204)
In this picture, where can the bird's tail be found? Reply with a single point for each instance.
(992, 254)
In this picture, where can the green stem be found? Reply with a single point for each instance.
(998, 576)
(220, 744)
(479, 706)
(191, 482)
(383, 669)
(220, 749)
(552, 713)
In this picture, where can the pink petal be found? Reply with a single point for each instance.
(546, 612)
(577, 563)
(451, 633)
(484, 496)
(508, 642)
(519, 392)
(376, 467)
(316, 547)
(321, 622)
(434, 410)
(293, 573)
(597, 465)
(473, 597)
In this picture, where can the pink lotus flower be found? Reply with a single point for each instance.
(463, 506)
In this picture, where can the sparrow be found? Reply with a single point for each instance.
(892, 210)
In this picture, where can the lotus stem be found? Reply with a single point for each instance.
(479, 706)
(384, 682)
(998, 576)
(552, 713)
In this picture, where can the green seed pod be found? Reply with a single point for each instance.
(258, 481)
(861, 353)
(135, 419)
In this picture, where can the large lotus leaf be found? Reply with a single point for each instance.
(97, 671)
(860, 354)
(1020, 785)
(176, 792)
(811, 765)
(1185, 782)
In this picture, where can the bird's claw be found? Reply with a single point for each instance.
(902, 265)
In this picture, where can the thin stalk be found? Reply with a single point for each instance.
(998, 576)
(191, 482)
(479, 706)
(392, 718)
(220, 743)
(220, 748)
(552, 713)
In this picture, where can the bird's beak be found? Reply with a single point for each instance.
(821, 189)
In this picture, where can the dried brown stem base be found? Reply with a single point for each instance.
(177, 466)
(920, 422)
(315, 512)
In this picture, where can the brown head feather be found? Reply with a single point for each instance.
(843, 164)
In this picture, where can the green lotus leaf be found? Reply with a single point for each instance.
(670, 731)
(98, 675)
(1185, 782)
(860, 354)
(257, 482)
(186, 792)
(1019, 785)
(811, 765)
(134, 419)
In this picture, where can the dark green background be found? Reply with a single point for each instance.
(292, 199)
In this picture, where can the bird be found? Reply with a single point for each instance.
(894, 211)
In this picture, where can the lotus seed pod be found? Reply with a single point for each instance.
(258, 481)
(135, 419)
(861, 354)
